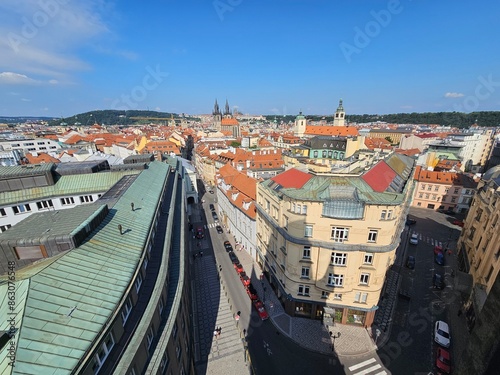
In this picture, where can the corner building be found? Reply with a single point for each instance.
(325, 242)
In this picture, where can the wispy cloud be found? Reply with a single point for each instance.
(10, 78)
(42, 38)
(453, 95)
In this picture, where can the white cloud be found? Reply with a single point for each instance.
(10, 78)
(453, 95)
(25, 100)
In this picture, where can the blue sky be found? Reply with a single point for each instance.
(63, 57)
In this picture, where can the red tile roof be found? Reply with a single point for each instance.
(341, 131)
(293, 178)
(229, 121)
(379, 177)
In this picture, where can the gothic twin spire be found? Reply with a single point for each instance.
(216, 111)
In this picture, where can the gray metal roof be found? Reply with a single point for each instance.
(70, 300)
(24, 170)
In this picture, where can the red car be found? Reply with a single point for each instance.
(443, 361)
(252, 293)
(244, 278)
(460, 223)
(261, 310)
(239, 268)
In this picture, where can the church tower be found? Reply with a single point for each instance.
(339, 119)
(300, 125)
(227, 111)
(217, 116)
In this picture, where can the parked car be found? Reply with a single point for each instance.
(239, 268)
(450, 212)
(227, 246)
(214, 215)
(414, 239)
(442, 334)
(438, 281)
(211, 191)
(439, 259)
(212, 207)
(200, 233)
(460, 223)
(443, 361)
(244, 278)
(410, 262)
(261, 310)
(252, 293)
(233, 257)
(411, 221)
(219, 229)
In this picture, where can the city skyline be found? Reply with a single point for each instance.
(274, 57)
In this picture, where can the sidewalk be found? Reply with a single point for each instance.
(308, 333)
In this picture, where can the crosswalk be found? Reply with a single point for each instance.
(368, 367)
(212, 225)
(431, 241)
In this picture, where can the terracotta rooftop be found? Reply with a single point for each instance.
(292, 178)
(342, 131)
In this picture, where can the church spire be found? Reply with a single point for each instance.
(216, 110)
(227, 112)
(340, 108)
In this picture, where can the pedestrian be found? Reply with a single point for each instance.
(219, 330)
(215, 333)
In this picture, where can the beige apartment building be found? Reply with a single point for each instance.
(479, 242)
(325, 242)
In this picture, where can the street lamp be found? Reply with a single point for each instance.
(334, 336)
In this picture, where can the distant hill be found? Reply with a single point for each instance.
(19, 119)
(115, 117)
(458, 119)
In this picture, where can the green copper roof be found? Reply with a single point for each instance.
(66, 185)
(70, 299)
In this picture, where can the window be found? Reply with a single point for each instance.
(305, 272)
(306, 252)
(325, 295)
(86, 199)
(175, 330)
(3, 228)
(368, 259)
(103, 353)
(150, 337)
(389, 215)
(419, 204)
(338, 259)
(436, 188)
(303, 290)
(268, 205)
(360, 297)
(429, 188)
(423, 186)
(43, 205)
(420, 195)
(164, 361)
(66, 201)
(160, 305)
(2, 212)
(383, 215)
(335, 279)
(372, 235)
(453, 199)
(21, 208)
(145, 263)
(337, 296)
(138, 282)
(308, 231)
(285, 222)
(126, 309)
(456, 190)
(340, 234)
(434, 196)
(426, 196)
(364, 278)
(304, 209)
